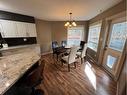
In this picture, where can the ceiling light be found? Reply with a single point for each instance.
(71, 22)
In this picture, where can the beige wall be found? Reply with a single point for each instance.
(98, 56)
(48, 31)
(44, 35)
(121, 85)
(59, 31)
(111, 11)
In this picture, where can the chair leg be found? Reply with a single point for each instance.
(81, 60)
(57, 57)
(68, 67)
(85, 59)
(62, 63)
(33, 91)
(54, 58)
(75, 65)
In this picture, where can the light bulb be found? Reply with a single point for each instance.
(74, 24)
(70, 25)
(66, 24)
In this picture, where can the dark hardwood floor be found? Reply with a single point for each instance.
(86, 79)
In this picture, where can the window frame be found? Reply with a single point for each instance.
(76, 27)
(116, 21)
(95, 24)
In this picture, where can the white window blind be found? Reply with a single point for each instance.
(94, 33)
(118, 35)
(75, 35)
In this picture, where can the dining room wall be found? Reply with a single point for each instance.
(48, 31)
(121, 84)
(59, 31)
(44, 35)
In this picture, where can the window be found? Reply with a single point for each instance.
(93, 38)
(111, 61)
(75, 35)
(118, 36)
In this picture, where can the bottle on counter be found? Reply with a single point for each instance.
(4, 44)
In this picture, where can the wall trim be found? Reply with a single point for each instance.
(45, 53)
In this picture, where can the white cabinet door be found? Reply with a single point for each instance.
(22, 29)
(9, 28)
(26, 29)
(32, 30)
(1, 30)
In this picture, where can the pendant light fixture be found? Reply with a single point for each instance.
(70, 23)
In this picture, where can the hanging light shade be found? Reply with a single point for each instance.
(71, 22)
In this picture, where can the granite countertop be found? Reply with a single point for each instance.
(15, 47)
(13, 67)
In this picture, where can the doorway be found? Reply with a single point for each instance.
(115, 45)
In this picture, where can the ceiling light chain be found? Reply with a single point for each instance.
(70, 16)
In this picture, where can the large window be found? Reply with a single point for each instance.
(94, 33)
(75, 35)
(118, 36)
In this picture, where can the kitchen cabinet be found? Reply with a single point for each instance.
(8, 28)
(15, 29)
(21, 29)
(32, 30)
(1, 30)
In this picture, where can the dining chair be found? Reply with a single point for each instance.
(82, 43)
(55, 44)
(54, 47)
(82, 54)
(64, 43)
(71, 58)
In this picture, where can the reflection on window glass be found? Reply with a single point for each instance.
(93, 38)
(118, 36)
(75, 35)
(111, 61)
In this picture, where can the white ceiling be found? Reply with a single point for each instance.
(58, 10)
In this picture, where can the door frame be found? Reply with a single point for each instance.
(107, 33)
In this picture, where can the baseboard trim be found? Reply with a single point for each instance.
(45, 53)
(91, 59)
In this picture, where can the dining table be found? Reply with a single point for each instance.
(63, 50)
